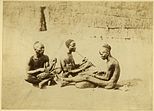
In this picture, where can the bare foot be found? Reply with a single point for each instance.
(60, 81)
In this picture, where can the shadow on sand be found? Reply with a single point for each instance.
(125, 85)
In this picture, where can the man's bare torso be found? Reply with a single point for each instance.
(114, 69)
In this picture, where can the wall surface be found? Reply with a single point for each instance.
(120, 18)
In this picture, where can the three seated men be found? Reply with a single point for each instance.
(84, 75)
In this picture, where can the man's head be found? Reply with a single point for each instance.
(105, 51)
(71, 45)
(39, 48)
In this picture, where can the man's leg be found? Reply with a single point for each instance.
(85, 84)
(97, 81)
(43, 82)
(45, 78)
(101, 83)
(89, 78)
(78, 78)
(32, 79)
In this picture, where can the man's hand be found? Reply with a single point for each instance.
(87, 65)
(99, 72)
(84, 60)
(46, 70)
(41, 69)
(53, 61)
(93, 75)
(65, 74)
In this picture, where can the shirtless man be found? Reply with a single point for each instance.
(68, 66)
(106, 79)
(38, 68)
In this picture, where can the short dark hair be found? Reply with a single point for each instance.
(67, 43)
(107, 46)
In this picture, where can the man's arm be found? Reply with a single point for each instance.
(76, 70)
(106, 78)
(116, 73)
(34, 72)
(46, 62)
(87, 65)
(82, 63)
(108, 74)
(64, 68)
(50, 66)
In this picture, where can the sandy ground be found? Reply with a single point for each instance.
(135, 58)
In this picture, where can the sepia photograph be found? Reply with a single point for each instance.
(77, 55)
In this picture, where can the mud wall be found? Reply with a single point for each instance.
(115, 20)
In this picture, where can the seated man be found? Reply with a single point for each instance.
(68, 66)
(38, 66)
(106, 79)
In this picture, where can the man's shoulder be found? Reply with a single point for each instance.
(114, 61)
(30, 60)
(31, 57)
(45, 56)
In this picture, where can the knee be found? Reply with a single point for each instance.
(32, 79)
(28, 77)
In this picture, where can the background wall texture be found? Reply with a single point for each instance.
(120, 18)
